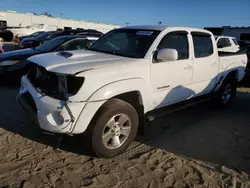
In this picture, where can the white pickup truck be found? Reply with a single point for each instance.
(107, 91)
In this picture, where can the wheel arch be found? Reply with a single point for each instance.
(133, 91)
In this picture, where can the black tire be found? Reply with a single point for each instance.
(229, 86)
(93, 136)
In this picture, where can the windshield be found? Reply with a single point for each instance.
(52, 44)
(36, 33)
(126, 42)
(235, 41)
(54, 35)
(43, 35)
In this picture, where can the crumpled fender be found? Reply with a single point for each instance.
(100, 96)
(122, 86)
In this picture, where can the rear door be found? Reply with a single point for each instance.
(206, 63)
(171, 80)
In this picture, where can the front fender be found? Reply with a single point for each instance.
(122, 86)
(101, 95)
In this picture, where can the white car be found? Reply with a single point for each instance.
(32, 29)
(107, 91)
(227, 44)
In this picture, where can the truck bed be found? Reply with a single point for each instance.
(240, 52)
(233, 61)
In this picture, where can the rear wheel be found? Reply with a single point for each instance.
(227, 91)
(113, 128)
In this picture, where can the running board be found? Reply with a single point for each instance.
(164, 111)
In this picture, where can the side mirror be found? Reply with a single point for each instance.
(167, 54)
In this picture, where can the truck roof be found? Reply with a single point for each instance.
(162, 27)
(217, 36)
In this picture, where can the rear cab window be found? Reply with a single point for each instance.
(203, 45)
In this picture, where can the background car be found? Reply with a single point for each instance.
(84, 32)
(227, 44)
(32, 35)
(13, 64)
(32, 42)
(47, 36)
(90, 34)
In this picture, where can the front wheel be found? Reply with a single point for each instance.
(113, 128)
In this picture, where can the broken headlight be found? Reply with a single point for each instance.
(64, 86)
(58, 86)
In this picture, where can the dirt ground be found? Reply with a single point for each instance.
(201, 146)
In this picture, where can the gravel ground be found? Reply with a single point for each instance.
(197, 147)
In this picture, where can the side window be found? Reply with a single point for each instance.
(235, 41)
(227, 42)
(91, 42)
(203, 45)
(76, 45)
(221, 43)
(177, 41)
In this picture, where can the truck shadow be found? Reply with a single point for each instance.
(14, 119)
(206, 133)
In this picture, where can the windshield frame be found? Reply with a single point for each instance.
(155, 34)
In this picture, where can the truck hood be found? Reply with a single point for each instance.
(76, 61)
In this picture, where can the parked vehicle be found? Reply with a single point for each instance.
(108, 91)
(227, 44)
(246, 49)
(32, 35)
(13, 64)
(91, 32)
(244, 43)
(32, 29)
(32, 42)
(36, 41)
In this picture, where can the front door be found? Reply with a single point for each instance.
(171, 81)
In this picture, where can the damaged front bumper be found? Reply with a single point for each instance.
(52, 115)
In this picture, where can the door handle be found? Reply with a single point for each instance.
(188, 67)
